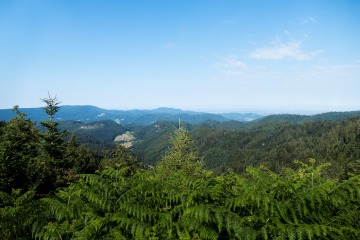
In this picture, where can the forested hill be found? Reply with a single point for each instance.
(277, 143)
(95, 135)
(306, 118)
(140, 117)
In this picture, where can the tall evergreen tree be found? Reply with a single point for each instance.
(53, 150)
(63, 160)
(53, 138)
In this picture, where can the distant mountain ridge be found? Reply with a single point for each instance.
(89, 113)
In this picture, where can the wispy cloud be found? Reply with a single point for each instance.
(304, 21)
(279, 51)
(230, 65)
(308, 20)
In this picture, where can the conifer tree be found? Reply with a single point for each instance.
(18, 153)
(53, 138)
(182, 156)
(55, 164)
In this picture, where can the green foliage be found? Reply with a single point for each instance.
(17, 213)
(259, 204)
(154, 141)
(2, 125)
(53, 138)
(62, 161)
(182, 156)
(30, 159)
(120, 157)
(275, 143)
(18, 154)
(79, 158)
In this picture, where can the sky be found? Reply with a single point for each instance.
(204, 55)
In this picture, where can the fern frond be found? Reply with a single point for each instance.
(54, 231)
(206, 232)
(201, 213)
(247, 233)
(6, 198)
(26, 197)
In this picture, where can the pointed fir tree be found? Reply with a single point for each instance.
(53, 138)
(182, 156)
(53, 146)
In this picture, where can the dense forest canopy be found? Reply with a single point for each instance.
(275, 143)
(275, 179)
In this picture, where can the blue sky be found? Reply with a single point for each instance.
(208, 55)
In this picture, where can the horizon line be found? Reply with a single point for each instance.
(264, 110)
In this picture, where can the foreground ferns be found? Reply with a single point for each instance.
(257, 205)
(299, 205)
(17, 213)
